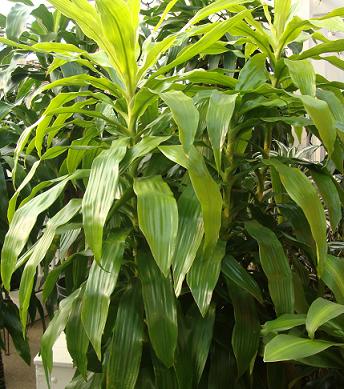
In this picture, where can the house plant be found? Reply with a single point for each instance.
(170, 183)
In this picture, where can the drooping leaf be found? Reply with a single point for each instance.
(77, 340)
(303, 75)
(304, 194)
(204, 274)
(158, 218)
(206, 189)
(333, 276)
(219, 115)
(320, 312)
(330, 195)
(100, 194)
(55, 328)
(195, 336)
(125, 348)
(321, 115)
(190, 233)
(287, 347)
(23, 221)
(39, 252)
(245, 335)
(240, 277)
(276, 267)
(100, 284)
(160, 308)
(10, 321)
(185, 115)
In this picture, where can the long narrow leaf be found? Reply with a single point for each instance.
(100, 194)
(245, 335)
(125, 349)
(219, 115)
(185, 115)
(206, 189)
(160, 308)
(239, 276)
(24, 220)
(100, 284)
(304, 194)
(204, 274)
(158, 218)
(276, 267)
(190, 233)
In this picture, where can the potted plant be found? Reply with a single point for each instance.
(213, 261)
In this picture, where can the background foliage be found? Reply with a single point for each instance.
(198, 246)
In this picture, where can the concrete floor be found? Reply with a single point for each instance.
(18, 375)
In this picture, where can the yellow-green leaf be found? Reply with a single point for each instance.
(100, 194)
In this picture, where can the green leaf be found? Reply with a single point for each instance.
(160, 308)
(238, 275)
(168, 8)
(201, 338)
(329, 193)
(190, 233)
(320, 312)
(204, 274)
(38, 254)
(100, 194)
(276, 267)
(282, 12)
(303, 75)
(13, 201)
(158, 218)
(220, 112)
(16, 21)
(195, 338)
(202, 44)
(54, 330)
(245, 335)
(305, 196)
(10, 321)
(125, 349)
(320, 113)
(185, 115)
(77, 340)
(288, 347)
(119, 23)
(214, 7)
(100, 284)
(283, 323)
(333, 276)
(206, 189)
(151, 52)
(24, 220)
(253, 74)
(202, 76)
(335, 46)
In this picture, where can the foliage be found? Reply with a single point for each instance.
(197, 253)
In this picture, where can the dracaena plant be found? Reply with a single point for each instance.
(197, 253)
